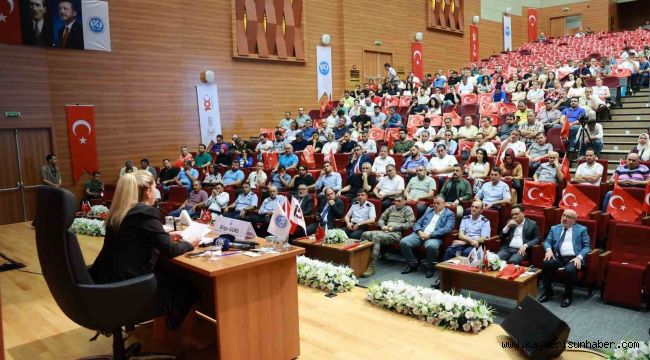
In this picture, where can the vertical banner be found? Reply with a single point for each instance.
(209, 118)
(532, 25)
(10, 31)
(324, 71)
(507, 33)
(473, 43)
(97, 34)
(82, 138)
(417, 62)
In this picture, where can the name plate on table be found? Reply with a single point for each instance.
(237, 228)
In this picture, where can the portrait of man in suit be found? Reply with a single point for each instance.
(519, 234)
(70, 35)
(36, 23)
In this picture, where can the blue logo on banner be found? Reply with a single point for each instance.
(96, 24)
(281, 221)
(324, 67)
(507, 30)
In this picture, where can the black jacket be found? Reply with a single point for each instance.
(133, 249)
(530, 234)
(306, 204)
(75, 37)
(335, 212)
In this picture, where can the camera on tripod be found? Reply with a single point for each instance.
(583, 119)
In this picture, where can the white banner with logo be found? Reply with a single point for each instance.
(507, 33)
(97, 34)
(209, 118)
(324, 71)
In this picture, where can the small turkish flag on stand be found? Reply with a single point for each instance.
(623, 206)
(83, 143)
(10, 31)
(539, 194)
(417, 63)
(574, 199)
(566, 171)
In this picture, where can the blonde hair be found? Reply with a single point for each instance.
(129, 192)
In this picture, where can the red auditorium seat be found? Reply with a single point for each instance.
(625, 270)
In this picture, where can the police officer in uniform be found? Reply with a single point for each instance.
(393, 221)
(361, 213)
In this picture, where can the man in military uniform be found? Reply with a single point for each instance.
(393, 221)
(474, 230)
(430, 229)
(361, 213)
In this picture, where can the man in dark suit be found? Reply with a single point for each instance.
(306, 203)
(517, 236)
(37, 28)
(567, 246)
(71, 35)
(357, 159)
(328, 211)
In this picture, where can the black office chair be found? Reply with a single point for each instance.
(104, 308)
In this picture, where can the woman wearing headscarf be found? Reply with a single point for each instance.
(642, 148)
(512, 170)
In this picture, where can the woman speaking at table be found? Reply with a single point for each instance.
(135, 239)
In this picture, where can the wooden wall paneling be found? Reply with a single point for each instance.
(286, 21)
(633, 14)
(272, 21)
(251, 22)
(458, 14)
(260, 29)
(11, 208)
(298, 45)
(595, 14)
(241, 43)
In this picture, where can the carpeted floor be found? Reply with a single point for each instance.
(588, 317)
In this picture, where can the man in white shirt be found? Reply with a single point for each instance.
(480, 143)
(595, 138)
(424, 144)
(331, 146)
(514, 143)
(388, 187)
(590, 171)
(519, 234)
(443, 163)
(465, 87)
(369, 146)
(426, 126)
(257, 179)
(469, 131)
(263, 144)
(381, 161)
(285, 123)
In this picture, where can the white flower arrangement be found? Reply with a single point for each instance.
(642, 352)
(98, 210)
(454, 312)
(325, 276)
(491, 262)
(335, 236)
(90, 227)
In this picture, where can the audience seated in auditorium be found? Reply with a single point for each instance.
(538, 151)
(392, 222)
(479, 170)
(393, 120)
(590, 171)
(389, 186)
(299, 144)
(441, 164)
(414, 160)
(303, 177)
(369, 146)
(203, 159)
(234, 176)
(144, 165)
(514, 143)
(429, 230)
(495, 192)
(218, 200)
(280, 179)
(593, 137)
(550, 171)
(195, 197)
(183, 157)
(447, 126)
(279, 142)
(402, 145)
(573, 113)
(420, 188)
(263, 144)
(328, 179)
(449, 143)
(425, 145)
(631, 174)
(506, 129)
(518, 235)
(359, 216)
(378, 118)
(481, 143)
(94, 187)
(238, 145)
(246, 201)
(288, 159)
(262, 218)
(473, 231)
(285, 122)
(186, 176)
(381, 161)
(346, 144)
(531, 128)
(219, 147)
(128, 168)
(642, 147)
(302, 118)
(489, 132)
(567, 246)
(468, 131)
(244, 160)
(257, 179)
(357, 158)
(364, 180)
(330, 208)
(168, 173)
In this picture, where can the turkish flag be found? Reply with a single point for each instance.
(566, 171)
(10, 31)
(455, 118)
(573, 198)
(532, 25)
(473, 44)
(417, 62)
(464, 145)
(539, 194)
(392, 134)
(270, 159)
(566, 126)
(646, 199)
(307, 157)
(83, 143)
(506, 108)
(376, 133)
(623, 206)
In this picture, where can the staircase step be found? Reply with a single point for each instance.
(633, 126)
(630, 137)
(630, 111)
(630, 117)
(617, 146)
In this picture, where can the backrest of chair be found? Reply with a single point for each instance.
(591, 191)
(592, 227)
(524, 161)
(493, 216)
(553, 136)
(177, 194)
(109, 191)
(628, 248)
(59, 254)
(377, 203)
(540, 219)
(602, 162)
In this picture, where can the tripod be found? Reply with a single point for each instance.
(580, 138)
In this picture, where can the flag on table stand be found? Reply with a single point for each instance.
(623, 206)
(330, 157)
(279, 225)
(566, 171)
(581, 203)
(296, 217)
